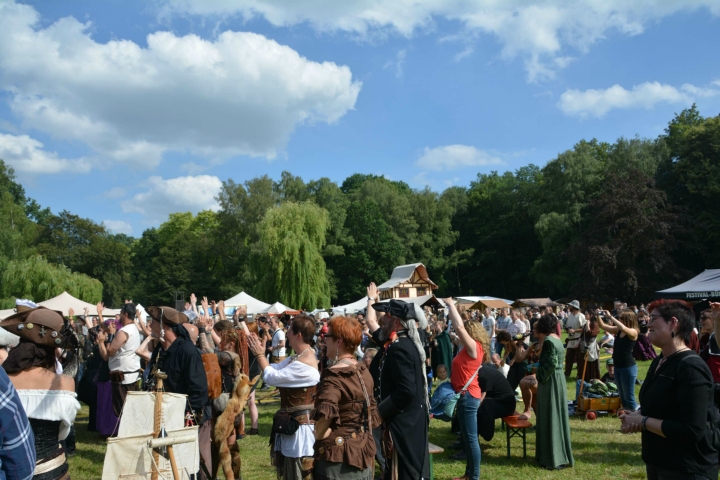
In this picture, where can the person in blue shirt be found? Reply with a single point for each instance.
(17, 443)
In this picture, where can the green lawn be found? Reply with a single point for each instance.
(600, 450)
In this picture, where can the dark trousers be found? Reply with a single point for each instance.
(119, 393)
(571, 358)
(654, 473)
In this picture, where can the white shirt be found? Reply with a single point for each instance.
(277, 337)
(53, 405)
(293, 374)
(125, 359)
(516, 327)
(576, 322)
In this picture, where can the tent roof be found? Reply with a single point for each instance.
(403, 273)
(497, 303)
(473, 300)
(705, 285)
(64, 302)
(278, 308)
(419, 301)
(351, 307)
(6, 313)
(534, 302)
(253, 304)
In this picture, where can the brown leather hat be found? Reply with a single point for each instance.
(169, 315)
(39, 325)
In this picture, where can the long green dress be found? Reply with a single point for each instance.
(552, 443)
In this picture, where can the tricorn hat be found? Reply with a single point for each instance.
(402, 310)
(575, 304)
(167, 315)
(39, 325)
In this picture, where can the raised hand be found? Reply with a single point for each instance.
(372, 291)
(255, 344)
(205, 305)
(101, 337)
(187, 306)
(112, 328)
(100, 307)
(193, 299)
(715, 310)
(71, 312)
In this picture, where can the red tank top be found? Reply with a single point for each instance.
(463, 367)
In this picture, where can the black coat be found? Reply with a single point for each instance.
(402, 407)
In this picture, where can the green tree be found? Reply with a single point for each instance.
(287, 258)
(36, 279)
(372, 250)
(627, 250)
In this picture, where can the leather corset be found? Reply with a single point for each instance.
(297, 397)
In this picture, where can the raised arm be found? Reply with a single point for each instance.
(371, 315)
(465, 339)
(632, 333)
(193, 303)
(608, 328)
(221, 310)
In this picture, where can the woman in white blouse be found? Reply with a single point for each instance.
(49, 399)
(296, 377)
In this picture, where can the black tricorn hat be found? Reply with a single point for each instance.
(396, 308)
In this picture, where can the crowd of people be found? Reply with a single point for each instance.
(356, 390)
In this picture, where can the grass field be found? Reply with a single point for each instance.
(600, 450)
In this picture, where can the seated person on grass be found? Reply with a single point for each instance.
(441, 374)
(610, 374)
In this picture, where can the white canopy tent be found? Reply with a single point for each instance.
(473, 300)
(64, 302)
(351, 308)
(6, 313)
(278, 308)
(254, 306)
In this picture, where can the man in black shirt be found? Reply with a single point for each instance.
(499, 400)
(177, 356)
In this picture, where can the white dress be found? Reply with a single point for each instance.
(293, 375)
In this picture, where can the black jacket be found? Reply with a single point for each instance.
(402, 406)
(679, 392)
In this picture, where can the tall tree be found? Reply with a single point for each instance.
(288, 258)
(626, 251)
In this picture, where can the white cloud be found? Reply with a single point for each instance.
(597, 103)
(539, 33)
(452, 157)
(26, 156)
(114, 193)
(240, 94)
(118, 226)
(181, 194)
(397, 64)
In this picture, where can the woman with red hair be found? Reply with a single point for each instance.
(345, 410)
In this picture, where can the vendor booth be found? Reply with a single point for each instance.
(704, 286)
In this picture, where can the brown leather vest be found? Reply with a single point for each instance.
(292, 398)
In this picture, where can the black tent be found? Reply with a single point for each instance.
(705, 285)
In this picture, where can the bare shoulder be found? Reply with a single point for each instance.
(67, 383)
(310, 361)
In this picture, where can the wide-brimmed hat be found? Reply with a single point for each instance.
(39, 325)
(402, 310)
(574, 304)
(167, 315)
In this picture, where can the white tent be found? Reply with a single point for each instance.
(278, 308)
(6, 313)
(254, 305)
(474, 300)
(64, 302)
(351, 308)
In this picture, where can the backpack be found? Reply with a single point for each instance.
(213, 374)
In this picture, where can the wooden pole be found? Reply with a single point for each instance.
(157, 421)
(173, 463)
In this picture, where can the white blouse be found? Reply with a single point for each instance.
(293, 374)
(53, 405)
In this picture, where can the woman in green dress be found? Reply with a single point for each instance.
(552, 445)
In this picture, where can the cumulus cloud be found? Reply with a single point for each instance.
(453, 157)
(118, 226)
(597, 103)
(26, 155)
(538, 33)
(240, 94)
(182, 194)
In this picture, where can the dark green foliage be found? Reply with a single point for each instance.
(601, 220)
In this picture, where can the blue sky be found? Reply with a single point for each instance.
(126, 111)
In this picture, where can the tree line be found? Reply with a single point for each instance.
(600, 221)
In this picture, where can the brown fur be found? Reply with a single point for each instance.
(225, 425)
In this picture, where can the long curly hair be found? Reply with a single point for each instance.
(479, 334)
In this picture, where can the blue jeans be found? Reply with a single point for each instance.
(467, 409)
(625, 381)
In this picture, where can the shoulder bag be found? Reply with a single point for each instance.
(452, 401)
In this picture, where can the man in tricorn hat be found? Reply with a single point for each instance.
(180, 360)
(402, 394)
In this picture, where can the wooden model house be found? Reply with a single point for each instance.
(407, 281)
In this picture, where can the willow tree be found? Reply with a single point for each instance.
(287, 259)
(36, 279)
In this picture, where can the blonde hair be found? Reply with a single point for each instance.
(479, 334)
